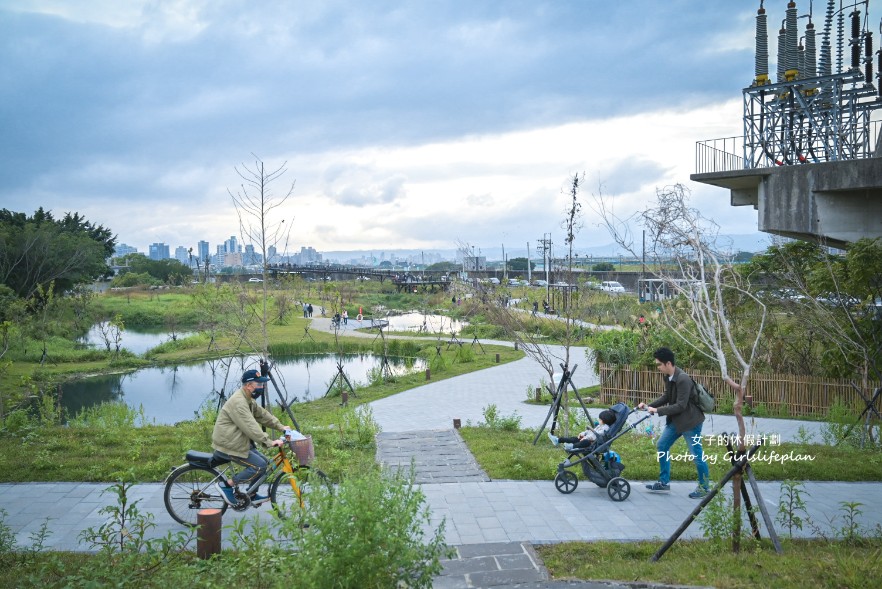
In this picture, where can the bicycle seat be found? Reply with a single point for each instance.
(205, 459)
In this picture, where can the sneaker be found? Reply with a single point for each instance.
(229, 495)
(552, 438)
(658, 486)
(699, 492)
(257, 499)
(568, 447)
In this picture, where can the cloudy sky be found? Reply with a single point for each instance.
(401, 124)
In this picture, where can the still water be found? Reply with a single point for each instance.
(420, 323)
(172, 394)
(137, 341)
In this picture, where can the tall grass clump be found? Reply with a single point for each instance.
(347, 524)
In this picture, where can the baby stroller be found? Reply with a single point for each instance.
(602, 466)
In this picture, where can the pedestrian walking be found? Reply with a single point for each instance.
(683, 418)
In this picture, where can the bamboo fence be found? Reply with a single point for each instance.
(780, 394)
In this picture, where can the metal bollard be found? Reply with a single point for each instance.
(497, 358)
(428, 374)
(538, 394)
(457, 424)
(208, 538)
(344, 396)
(516, 346)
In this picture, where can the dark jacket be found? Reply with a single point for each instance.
(675, 403)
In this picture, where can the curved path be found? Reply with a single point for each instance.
(492, 524)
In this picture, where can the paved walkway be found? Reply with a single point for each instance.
(492, 524)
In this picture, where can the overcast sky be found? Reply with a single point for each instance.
(403, 124)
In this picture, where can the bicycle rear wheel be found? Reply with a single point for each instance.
(191, 488)
(288, 499)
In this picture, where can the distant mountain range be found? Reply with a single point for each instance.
(751, 242)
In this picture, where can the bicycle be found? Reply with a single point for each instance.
(197, 484)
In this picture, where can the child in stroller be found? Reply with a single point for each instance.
(600, 464)
(587, 438)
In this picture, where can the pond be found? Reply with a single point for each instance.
(421, 323)
(137, 341)
(175, 393)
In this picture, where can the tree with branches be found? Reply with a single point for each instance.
(525, 329)
(711, 293)
(260, 220)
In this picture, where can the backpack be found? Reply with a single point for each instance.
(702, 398)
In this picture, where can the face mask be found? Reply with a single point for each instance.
(257, 393)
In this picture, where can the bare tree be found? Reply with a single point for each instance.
(525, 329)
(683, 245)
(260, 218)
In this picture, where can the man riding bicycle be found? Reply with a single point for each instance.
(237, 431)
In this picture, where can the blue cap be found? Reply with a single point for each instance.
(253, 376)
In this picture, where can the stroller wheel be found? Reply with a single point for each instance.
(618, 489)
(566, 482)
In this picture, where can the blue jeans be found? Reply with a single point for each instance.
(255, 465)
(693, 444)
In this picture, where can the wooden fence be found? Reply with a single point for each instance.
(781, 394)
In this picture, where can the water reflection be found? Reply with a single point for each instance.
(174, 393)
(420, 323)
(137, 341)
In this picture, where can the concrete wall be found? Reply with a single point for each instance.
(835, 202)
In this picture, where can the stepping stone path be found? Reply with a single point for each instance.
(439, 456)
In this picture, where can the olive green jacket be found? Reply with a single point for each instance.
(675, 403)
(238, 424)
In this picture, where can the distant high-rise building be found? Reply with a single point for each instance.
(232, 260)
(308, 255)
(159, 251)
(271, 255)
(182, 255)
(202, 248)
(231, 245)
(250, 258)
(123, 249)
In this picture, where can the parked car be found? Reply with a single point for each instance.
(493, 281)
(611, 286)
(514, 282)
(836, 299)
(255, 280)
(540, 283)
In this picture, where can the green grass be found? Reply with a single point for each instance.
(512, 455)
(45, 452)
(805, 563)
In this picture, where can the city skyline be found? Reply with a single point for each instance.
(403, 126)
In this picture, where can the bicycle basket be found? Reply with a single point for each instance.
(303, 449)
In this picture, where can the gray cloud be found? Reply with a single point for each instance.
(103, 106)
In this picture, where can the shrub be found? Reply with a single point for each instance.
(368, 532)
(492, 419)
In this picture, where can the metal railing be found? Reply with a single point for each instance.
(720, 155)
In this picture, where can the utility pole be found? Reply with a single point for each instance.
(545, 247)
(529, 273)
(504, 265)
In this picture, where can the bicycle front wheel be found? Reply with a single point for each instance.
(289, 492)
(191, 488)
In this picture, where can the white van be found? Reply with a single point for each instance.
(611, 286)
